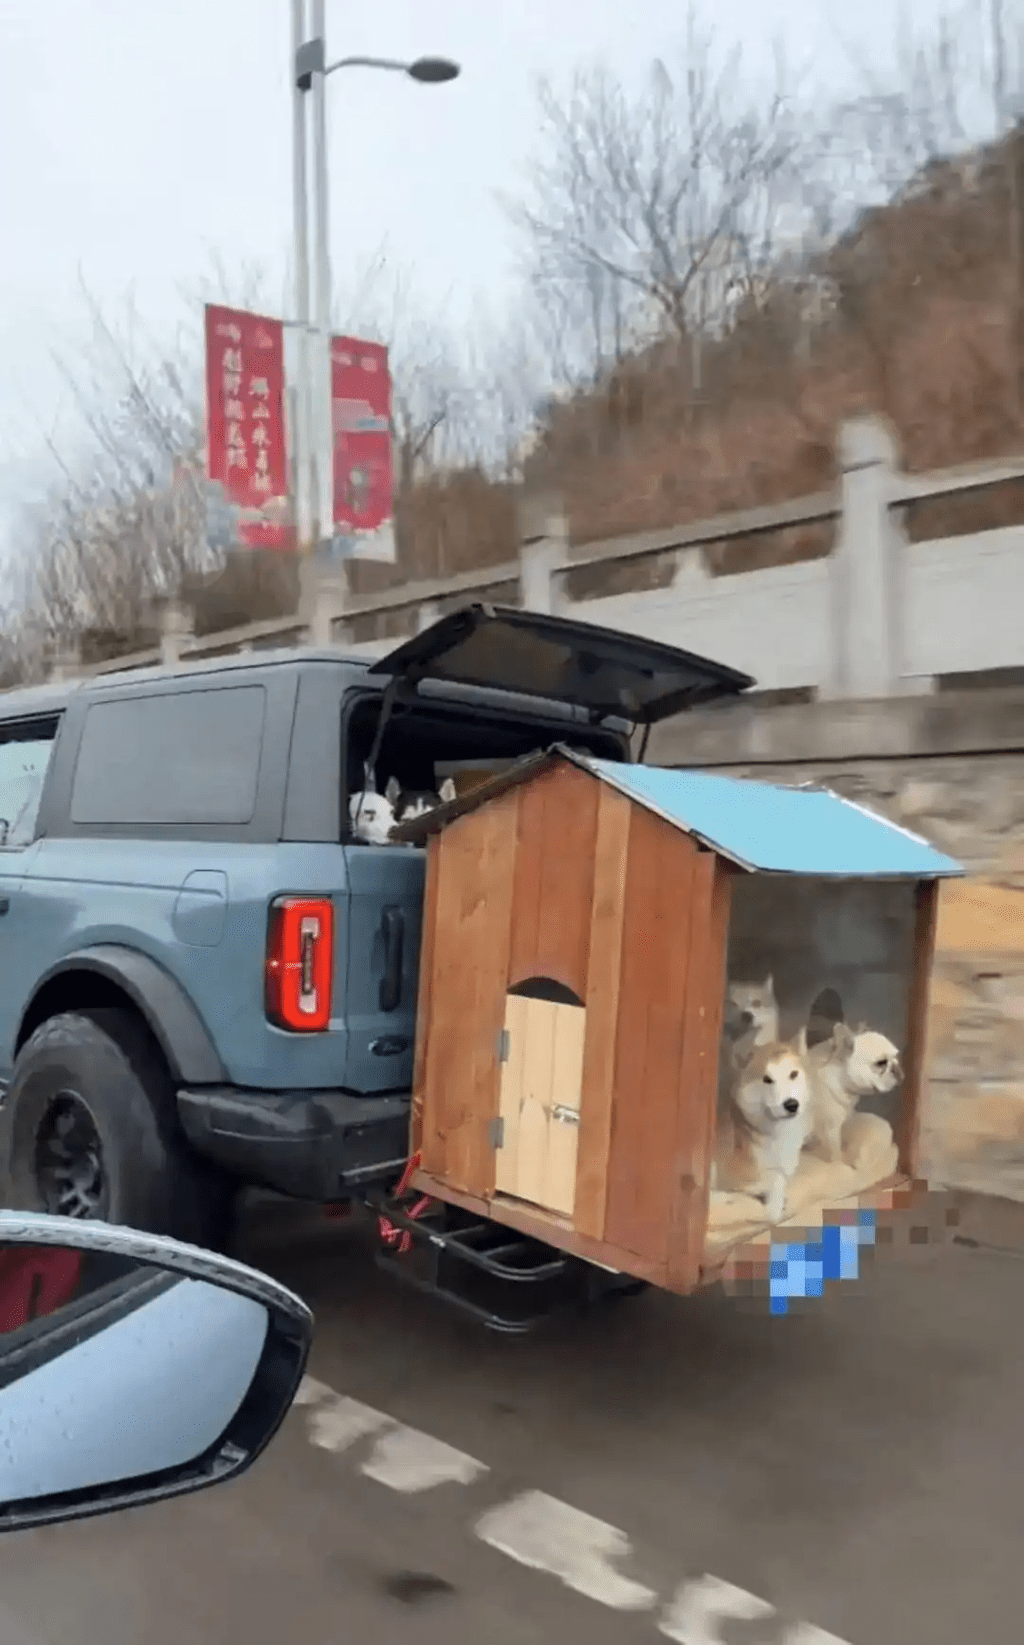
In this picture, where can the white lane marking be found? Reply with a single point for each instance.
(698, 1607)
(534, 1529)
(548, 1535)
(409, 1461)
(338, 1422)
(311, 1392)
(693, 1615)
(404, 1459)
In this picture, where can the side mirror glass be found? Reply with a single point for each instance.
(132, 1368)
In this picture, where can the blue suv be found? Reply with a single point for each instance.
(206, 981)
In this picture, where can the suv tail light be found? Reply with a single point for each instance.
(300, 963)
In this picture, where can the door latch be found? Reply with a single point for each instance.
(567, 1116)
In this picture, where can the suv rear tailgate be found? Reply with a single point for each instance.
(603, 671)
(377, 974)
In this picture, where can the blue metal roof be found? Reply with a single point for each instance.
(777, 830)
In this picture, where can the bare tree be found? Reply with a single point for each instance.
(124, 517)
(933, 128)
(944, 87)
(581, 318)
(644, 206)
(508, 375)
(431, 425)
(127, 519)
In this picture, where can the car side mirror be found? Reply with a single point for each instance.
(132, 1368)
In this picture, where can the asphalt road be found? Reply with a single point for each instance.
(851, 1472)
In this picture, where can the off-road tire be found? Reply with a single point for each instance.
(109, 1061)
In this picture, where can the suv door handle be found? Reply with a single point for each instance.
(394, 943)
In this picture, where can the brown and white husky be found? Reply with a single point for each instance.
(763, 1125)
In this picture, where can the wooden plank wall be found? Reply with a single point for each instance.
(512, 886)
(462, 994)
(673, 952)
(566, 878)
(556, 835)
(908, 1119)
(604, 979)
(698, 1075)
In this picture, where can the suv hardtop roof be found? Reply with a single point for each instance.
(479, 650)
(39, 701)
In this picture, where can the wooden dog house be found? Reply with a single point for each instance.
(573, 968)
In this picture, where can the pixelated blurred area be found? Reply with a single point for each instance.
(793, 1266)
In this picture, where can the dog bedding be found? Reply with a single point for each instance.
(869, 1157)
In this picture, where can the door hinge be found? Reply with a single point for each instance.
(497, 1133)
(504, 1045)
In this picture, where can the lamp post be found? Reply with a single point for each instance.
(304, 479)
(313, 431)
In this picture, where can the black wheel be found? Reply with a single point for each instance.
(69, 1163)
(88, 1128)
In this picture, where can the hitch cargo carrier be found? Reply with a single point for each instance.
(507, 1280)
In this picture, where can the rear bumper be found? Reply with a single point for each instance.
(314, 1145)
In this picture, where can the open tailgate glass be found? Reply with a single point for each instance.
(598, 669)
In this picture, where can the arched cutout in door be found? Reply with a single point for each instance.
(545, 988)
(539, 1100)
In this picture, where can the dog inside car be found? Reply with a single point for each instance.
(372, 817)
(408, 804)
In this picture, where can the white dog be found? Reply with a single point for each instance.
(847, 1066)
(751, 1019)
(764, 1127)
(372, 817)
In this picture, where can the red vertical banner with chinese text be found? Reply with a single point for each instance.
(245, 423)
(363, 468)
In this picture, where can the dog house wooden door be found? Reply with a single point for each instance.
(539, 1102)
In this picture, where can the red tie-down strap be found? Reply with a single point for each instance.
(397, 1239)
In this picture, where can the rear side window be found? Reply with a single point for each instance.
(185, 757)
(24, 758)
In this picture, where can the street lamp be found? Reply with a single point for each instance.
(310, 59)
(309, 74)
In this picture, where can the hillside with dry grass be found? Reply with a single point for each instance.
(918, 317)
(915, 314)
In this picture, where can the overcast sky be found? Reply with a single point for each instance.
(140, 142)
